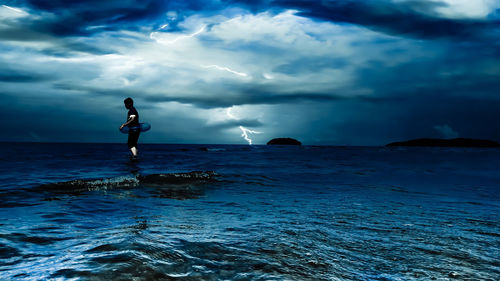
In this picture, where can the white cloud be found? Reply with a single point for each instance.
(172, 38)
(458, 9)
(474, 9)
(253, 46)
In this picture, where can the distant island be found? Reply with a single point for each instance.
(284, 141)
(459, 142)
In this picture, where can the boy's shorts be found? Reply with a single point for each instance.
(133, 137)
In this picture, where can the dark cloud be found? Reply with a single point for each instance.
(393, 18)
(468, 116)
(231, 124)
(76, 46)
(450, 76)
(236, 95)
(87, 17)
(406, 18)
(414, 117)
(17, 76)
(68, 118)
(20, 32)
(223, 98)
(311, 65)
(454, 90)
(74, 17)
(244, 99)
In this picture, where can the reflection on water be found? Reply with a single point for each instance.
(308, 213)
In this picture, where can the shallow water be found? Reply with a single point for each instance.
(274, 213)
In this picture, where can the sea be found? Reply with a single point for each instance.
(269, 213)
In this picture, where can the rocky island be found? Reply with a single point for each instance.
(458, 142)
(284, 141)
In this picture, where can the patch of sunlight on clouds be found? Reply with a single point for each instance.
(456, 9)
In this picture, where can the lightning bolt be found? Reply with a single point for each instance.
(169, 42)
(227, 69)
(244, 131)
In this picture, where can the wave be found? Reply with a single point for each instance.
(172, 182)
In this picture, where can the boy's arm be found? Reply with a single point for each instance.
(132, 118)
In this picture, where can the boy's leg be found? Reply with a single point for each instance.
(133, 137)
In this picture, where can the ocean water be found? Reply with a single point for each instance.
(273, 213)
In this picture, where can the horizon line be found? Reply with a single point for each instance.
(153, 143)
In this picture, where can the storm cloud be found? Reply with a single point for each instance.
(325, 72)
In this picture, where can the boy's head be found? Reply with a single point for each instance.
(129, 102)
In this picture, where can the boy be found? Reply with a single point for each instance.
(133, 124)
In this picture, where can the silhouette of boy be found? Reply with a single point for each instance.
(133, 125)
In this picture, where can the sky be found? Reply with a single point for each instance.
(328, 72)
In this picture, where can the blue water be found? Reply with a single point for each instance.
(274, 213)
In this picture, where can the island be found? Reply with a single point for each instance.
(284, 141)
(458, 142)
